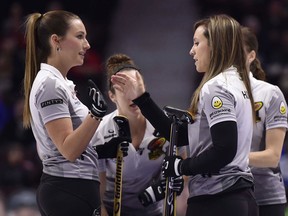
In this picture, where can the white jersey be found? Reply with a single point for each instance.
(141, 168)
(53, 97)
(223, 98)
(271, 112)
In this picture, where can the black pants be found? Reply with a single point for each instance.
(235, 203)
(275, 210)
(57, 196)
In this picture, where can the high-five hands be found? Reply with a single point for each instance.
(98, 106)
(131, 84)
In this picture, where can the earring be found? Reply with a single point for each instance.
(58, 49)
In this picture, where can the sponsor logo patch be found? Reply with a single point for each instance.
(156, 148)
(257, 106)
(216, 102)
(282, 108)
(51, 102)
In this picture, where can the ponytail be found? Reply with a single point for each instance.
(32, 65)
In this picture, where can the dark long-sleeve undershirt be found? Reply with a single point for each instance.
(224, 139)
(221, 153)
(159, 120)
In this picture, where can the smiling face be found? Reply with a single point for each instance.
(200, 50)
(74, 44)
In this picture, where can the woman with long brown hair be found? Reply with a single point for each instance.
(219, 179)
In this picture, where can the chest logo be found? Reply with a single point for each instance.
(257, 106)
(156, 148)
(216, 102)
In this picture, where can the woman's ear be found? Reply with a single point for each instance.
(112, 96)
(55, 42)
(251, 56)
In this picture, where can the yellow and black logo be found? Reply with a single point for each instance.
(216, 102)
(257, 106)
(282, 108)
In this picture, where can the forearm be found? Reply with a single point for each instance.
(102, 177)
(154, 114)
(270, 156)
(77, 141)
(263, 159)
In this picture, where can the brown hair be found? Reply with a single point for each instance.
(250, 44)
(116, 63)
(39, 28)
(225, 39)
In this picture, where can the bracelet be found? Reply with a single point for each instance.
(94, 117)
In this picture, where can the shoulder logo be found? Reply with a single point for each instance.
(282, 108)
(51, 102)
(216, 102)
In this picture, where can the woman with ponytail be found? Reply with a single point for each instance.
(61, 124)
(268, 134)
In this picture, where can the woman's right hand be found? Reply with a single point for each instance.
(98, 104)
(131, 85)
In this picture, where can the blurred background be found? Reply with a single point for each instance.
(157, 34)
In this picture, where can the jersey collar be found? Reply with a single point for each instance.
(53, 70)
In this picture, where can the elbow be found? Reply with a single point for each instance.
(72, 160)
(275, 160)
(225, 161)
(71, 157)
(227, 156)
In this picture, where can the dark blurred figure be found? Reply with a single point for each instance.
(17, 171)
(2, 204)
(22, 203)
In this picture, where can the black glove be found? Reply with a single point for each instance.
(177, 184)
(98, 104)
(156, 192)
(110, 148)
(171, 166)
(153, 193)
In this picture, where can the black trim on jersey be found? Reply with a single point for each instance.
(224, 138)
(159, 120)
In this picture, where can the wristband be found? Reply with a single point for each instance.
(94, 117)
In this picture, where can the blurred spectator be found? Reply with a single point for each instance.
(22, 203)
(2, 204)
(16, 170)
(13, 129)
